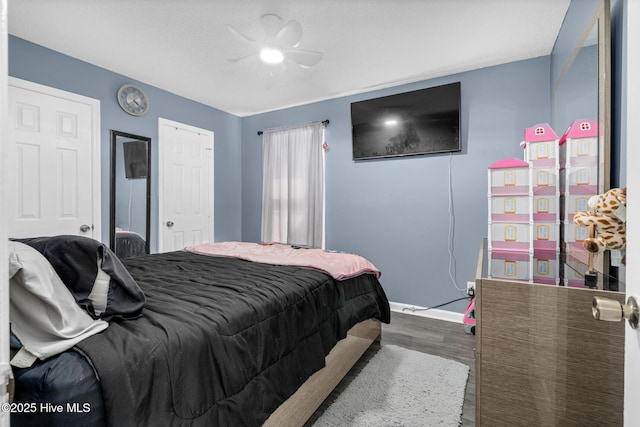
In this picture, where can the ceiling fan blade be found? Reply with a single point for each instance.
(275, 73)
(290, 35)
(238, 59)
(271, 24)
(276, 70)
(241, 36)
(304, 58)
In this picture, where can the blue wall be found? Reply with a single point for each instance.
(395, 211)
(35, 63)
(575, 21)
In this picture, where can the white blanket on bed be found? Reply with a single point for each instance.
(43, 313)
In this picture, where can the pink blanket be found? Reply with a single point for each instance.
(339, 265)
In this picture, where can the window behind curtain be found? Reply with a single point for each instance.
(293, 185)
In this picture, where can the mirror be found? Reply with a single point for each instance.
(580, 64)
(581, 89)
(130, 194)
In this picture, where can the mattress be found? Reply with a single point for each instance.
(129, 244)
(222, 341)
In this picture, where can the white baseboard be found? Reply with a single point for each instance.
(432, 313)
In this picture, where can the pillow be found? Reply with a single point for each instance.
(93, 273)
(44, 315)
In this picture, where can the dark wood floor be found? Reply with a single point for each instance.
(437, 337)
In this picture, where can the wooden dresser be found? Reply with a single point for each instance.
(542, 359)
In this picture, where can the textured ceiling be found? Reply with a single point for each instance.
(183, 46)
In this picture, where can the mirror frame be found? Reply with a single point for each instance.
(604, 91)
(601, 18)
(112, 197)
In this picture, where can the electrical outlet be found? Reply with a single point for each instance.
(471, 288)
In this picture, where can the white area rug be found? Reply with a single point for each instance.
(400, 387)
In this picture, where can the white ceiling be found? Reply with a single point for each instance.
(183, 46)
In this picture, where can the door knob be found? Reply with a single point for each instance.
(84, 228)
(612, 311)
(169, 223)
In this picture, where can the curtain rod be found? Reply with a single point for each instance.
(325, 123)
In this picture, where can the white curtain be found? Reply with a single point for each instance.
(293, 185)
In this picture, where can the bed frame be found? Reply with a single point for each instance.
(296, 410)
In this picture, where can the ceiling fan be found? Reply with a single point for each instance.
(279, 45)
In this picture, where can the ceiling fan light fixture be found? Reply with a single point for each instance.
(270, 55)
(279, 46)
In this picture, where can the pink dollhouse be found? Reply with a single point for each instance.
(541, 146)
(579, 179)
(546, 266)
(532, 204)
(544, 153)
(513, 265)
(581, 165)
(510, 219)
(524, 210)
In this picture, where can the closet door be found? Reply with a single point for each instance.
(53, 172)
(185, 185)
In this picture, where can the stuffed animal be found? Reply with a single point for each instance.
(607, 214)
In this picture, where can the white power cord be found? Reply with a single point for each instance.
(130, 202)
(452, 220)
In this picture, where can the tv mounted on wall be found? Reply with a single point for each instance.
(135, 159)
(424, 121)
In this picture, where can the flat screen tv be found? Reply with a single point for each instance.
(135, 159)
(423, 121)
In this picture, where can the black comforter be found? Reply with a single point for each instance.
(222, 341)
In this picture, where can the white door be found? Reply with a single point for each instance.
(185, 185)
(53, 164)
(632, 336)
(5, 368)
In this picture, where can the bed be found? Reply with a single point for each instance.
(220, 340)
(129, 243)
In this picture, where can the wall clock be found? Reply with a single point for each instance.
(133, 100)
